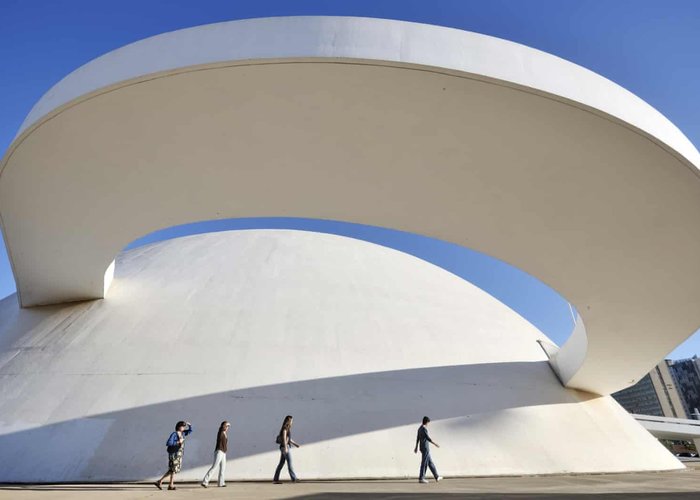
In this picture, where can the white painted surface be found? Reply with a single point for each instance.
(357, 341)
(383, 40)
(453, 135)
(670, 428)
(566, 362)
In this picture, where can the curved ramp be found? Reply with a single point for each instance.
(453, 135)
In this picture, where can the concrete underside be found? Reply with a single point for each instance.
(355, 340)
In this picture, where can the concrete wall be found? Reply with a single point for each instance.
(355, 340)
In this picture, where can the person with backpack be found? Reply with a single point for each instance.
(423, 440)
(219, 456)
(176, 449)
(284, 440)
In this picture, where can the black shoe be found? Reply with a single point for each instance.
(203, 485)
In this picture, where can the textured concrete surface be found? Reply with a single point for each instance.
(661, 485)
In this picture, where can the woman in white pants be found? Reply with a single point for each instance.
(219, 456)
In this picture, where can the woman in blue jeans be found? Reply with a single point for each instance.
(284, 439)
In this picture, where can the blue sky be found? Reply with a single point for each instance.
(650, 47)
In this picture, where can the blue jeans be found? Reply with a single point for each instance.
(425, 462)
(285, 457)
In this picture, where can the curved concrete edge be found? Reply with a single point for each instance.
(568, 359)
(368, 39)
(572, 355)
(387, 43)
(109, 276)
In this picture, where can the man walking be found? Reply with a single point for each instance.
(219, 456)
(423, 440)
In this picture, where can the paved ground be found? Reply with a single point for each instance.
(662, 485)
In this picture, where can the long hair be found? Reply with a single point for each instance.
(181, 423)
(286, 424)
(223, 425)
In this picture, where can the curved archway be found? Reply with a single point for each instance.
(458, 136)
(526, 295)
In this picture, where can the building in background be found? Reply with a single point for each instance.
(686, 373)
(657, 394)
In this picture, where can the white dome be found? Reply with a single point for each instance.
(357, 341)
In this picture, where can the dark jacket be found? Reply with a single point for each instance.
(222, 442)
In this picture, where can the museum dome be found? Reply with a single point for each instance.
(356, 340)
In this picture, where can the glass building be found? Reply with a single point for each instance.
(657, 393)
(686, 373)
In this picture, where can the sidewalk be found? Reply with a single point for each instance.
(661, 485)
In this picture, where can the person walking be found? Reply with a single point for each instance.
(284, 439)
(423, 440)
(219, 456)
(176, 450)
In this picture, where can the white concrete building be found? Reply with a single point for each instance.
(357, 341)
(471, 139)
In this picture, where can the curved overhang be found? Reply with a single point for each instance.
(459, 136)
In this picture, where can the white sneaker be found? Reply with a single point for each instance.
(439, 478)
(423, 481)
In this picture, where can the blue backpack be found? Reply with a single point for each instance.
(173, 443)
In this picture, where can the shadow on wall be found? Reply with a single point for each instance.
(130, 444)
